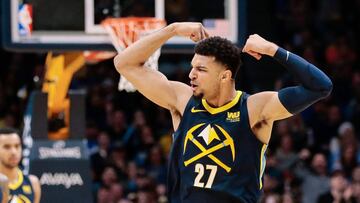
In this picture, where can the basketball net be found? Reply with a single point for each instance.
(125, 31)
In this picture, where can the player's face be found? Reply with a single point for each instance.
(10, 150)
(205, 76)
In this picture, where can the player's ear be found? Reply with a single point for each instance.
(226, 75)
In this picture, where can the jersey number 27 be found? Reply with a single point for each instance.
(200, 169)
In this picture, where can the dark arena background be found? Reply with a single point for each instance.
(87, 141)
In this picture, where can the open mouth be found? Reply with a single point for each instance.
(193, 86)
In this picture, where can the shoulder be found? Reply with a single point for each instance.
(183, 94)
(262, 96)
(257, 101)
(34, 179)
(35, 182)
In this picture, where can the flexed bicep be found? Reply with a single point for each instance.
(151, 83)
(267, 106)
(156, 87)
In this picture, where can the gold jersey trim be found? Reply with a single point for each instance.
(262, 164)
(227, 106)
(20, 179)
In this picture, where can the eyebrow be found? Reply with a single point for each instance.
(199, 66)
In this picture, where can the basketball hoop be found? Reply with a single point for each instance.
(125, 31)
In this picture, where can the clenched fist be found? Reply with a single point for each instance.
(257, 46)
(195, 31)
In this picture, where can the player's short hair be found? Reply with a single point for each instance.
(8, 131)
(223, 50)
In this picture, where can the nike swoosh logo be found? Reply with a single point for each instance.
(193, 110)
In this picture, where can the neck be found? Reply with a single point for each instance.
(11, 173)
(224, 96)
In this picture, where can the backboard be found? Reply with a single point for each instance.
(43, 25)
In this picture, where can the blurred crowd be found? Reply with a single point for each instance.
(313, 157)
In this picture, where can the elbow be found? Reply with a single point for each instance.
(119, 63)
(123, 63)
(327, 88)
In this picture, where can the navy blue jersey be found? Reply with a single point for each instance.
(21, 191)
(215, 157)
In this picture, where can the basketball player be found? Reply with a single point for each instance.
(221, 134)
(22, 188)
(4, 189)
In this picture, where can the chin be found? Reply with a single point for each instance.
(10, 165)
(198, 95)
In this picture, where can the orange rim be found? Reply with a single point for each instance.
(138, 22)
(134, 19)
(125, 31)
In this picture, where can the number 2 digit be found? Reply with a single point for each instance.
(199, 169)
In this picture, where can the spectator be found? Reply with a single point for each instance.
(116, 192)
(339, 190)
(156, 167)
(118, 125)
(314, 181)
(119, 161)
(285, 155)
(103, 196)
(100, 158)
(109, 177)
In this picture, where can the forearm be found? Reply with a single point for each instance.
(315, 84)
(308, 75)
(137, 53)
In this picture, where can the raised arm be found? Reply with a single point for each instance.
(314, 84)
(151, 83)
